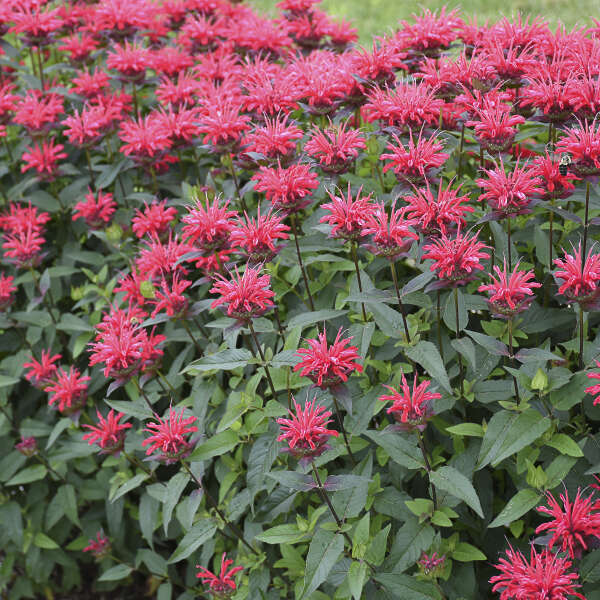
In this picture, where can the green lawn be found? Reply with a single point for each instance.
(374, 17)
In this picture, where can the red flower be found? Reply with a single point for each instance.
(510, 193)
(69, 390)
(456, 259)
(544, 577)
(580, 283)
(209, 226)
(119, 343)
(432, 564)
(222, 123)
(27, 446)
(79, 46)
(431, 31)
(494, 126)
(328, 366)
(595, 390)
(276, 139)
(169, 436)
(23, 247)
(336, 148)
(130, 60)
(109, 434)
(44, 372)
(574, 525)
(287, 189)
(347, 215)
(583, 144)
(179, 92)
(86, 129)
(96, 211)
(38, 112)
(7, 290)
(379, 65)
(555, 185)
(246, 296)
(413, 407)
(180, 125)
(391, 234)
(257, 237)
(146, 141)
(170, 297)
(99, 547)
(223, 584)
(154, 220)
(43, 159)
(413, 162)
(510, 294)
(306, 432)
(441, 214)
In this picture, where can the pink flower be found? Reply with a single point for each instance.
(109, 434)
(288, 189)
(209, 226)
(44, 158)
(544, 577)
(7, 291)
(411, 407)
(594, 390)
(328, 366)
(99, 547)
(555, 185)
(510, 294)
(222, 123)
(573, 526)
(414, 162)
(154, 220)
(495, 126)
(456, 259)
(336, 148)
(276, 139)
(579, 282)
(170, 298)
(169, 436)
(42, 373)
(306, 432)
(69, 390)
(27, 446)
(96, 211)
(391, 234)
(348, 215)
(246, 296)
(582, 142)
(221, 585)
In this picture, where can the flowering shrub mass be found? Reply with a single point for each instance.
(283, 317)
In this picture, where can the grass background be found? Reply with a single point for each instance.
(375, 17)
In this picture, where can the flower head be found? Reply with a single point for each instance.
(431, 564)
(169, 436)
(42, 373)
(44, 158)
(305, 431)
(223, 584)
(555, 185)
(170, 298)
(347, 215)
(208, 226)
(574, 525)
(109, 434)
(495, 126)
(246, 296)
(326, 365)
(289, 188)
(69, 390)
(544, 577)
(582, 142)
(27, 446)
(7, 291)
(275, 139)
(154, 220)
(96, 210)
(99, 547)
(511, 293)
(391, 234)
(595, 390)
(411, 408)
(456, 259)
(579, 282)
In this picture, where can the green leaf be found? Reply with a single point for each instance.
(522, 502)
(41, 540)
(135, 408)
(201, 531)
(492, 345)
(226, 360)
(12, 522)
(589, 568)
(311, 317)
(215, 446)
(454, 482)
(128, 486)
(6, 381)
(378, 546)
(27, 475)
(565, 445)
(509, 432)
(466, 553)
(360, 539)
(412, 539)
(466, 347)
(175, 488)
(357, 576)
(68, 500)
(399, 448)
(282, 534)
(110, 173)
(450, 312)
(115, 573)
(71, 323)
(38, 318)
(323, 552)
(407, 587)
(528, 355)
(293, 480)
(466, 429)
(428, 356)
(441, 519)
(148, 514)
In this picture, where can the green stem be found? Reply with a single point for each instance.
(402, 309)
(191, 336)
(427, 467)
(262, 357)
(460, 363)
(304, 276)
(512, 359)
(581, 335)
(354, 246)
(89, 164)
(460, 151)
(343, 430)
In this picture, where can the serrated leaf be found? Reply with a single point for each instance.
(282, 534)
(522, 502)
(565, 445)
(334, 483)
(116, 573)
(201, 531)
(174, 490)
(128, 486)
(226, 360)
(464, 552)
(27, 475)
(466, 429)
(215, 446)
(428, 356)
(323, 552)
(293, 480)
(454, 482)
(407, 588)
(357, 577)
(311, 317)
(492, 345)
(41, 540)
(399, 449)
(528, 355)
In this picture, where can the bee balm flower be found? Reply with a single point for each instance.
(223, 584)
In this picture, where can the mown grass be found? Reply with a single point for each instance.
(375, 17)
